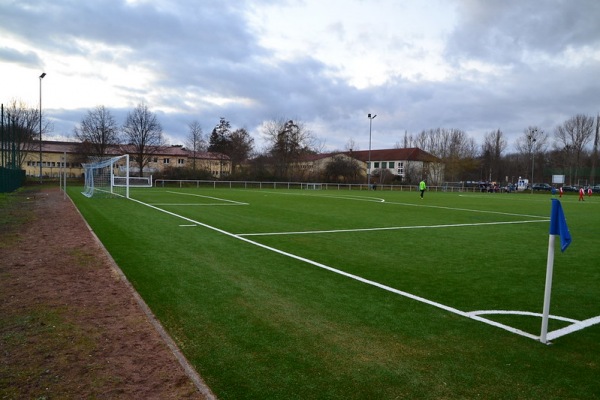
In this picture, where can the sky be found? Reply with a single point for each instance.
(474, 65)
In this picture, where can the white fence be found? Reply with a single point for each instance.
(302, 186)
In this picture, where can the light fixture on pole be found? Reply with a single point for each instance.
(369, 162)
(41, 77)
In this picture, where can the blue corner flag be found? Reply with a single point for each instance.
(558, 225)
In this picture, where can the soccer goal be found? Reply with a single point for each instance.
(311, 186)
(453, 186)
(100, 177)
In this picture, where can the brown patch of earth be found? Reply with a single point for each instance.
(70, 326)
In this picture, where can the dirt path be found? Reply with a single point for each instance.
(70, 327)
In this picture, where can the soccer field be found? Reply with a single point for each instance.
(276, 293)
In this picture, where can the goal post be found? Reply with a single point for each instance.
(100, 177)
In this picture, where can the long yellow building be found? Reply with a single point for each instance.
(56, 155)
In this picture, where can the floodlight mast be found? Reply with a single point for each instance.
(41, 77)
(532, 138)
(369, 162)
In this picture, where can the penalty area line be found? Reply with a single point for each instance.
(390, 228)
(208, 197)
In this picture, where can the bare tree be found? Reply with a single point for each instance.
(24, 122)
(595, 151)
(195, 142)
(573, 135)
(351, 146)
(143, 131)
(407, 142)
(98, 132)
(533, 145)
(453, 147)
(288, 142)
(241, 145)
(493, 146)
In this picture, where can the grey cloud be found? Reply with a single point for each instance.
(509, 31)
(26, 59)
(206, 48)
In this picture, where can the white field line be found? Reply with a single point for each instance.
(390, 228)
(577, 326)
(197, 204)
(473, 315)
(350, 197)
(470, 210)
(208, 197)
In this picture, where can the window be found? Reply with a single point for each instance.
(180, 161)
(383, 164)
(155, 159)
(376, 164)
(391, 165)
(166, 160)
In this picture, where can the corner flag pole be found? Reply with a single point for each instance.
(548, 289)
(558, 226)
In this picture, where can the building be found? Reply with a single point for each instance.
(68, 155)
(410, 164)
(312, 166)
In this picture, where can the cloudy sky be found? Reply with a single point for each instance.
(475, 65)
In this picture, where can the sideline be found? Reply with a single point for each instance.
(475, 315)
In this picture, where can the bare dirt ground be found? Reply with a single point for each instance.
(70, 327)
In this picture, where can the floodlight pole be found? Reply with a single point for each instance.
(41, 77)
(369, 162)
(533, 140)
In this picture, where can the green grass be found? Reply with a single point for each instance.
(259, 324)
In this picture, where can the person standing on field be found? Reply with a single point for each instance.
(581, 193)
(560, 191)
(422, 187)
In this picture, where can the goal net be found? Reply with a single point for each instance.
(311, 186)
(133, 181)
(453, 186)
(100, 176)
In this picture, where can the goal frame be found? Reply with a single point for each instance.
(100, 176)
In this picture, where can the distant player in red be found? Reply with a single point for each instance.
(581, 193)
(560, 191)
(589, 192)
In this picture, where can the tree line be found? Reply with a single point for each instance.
(288, 142)
(571, 149)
